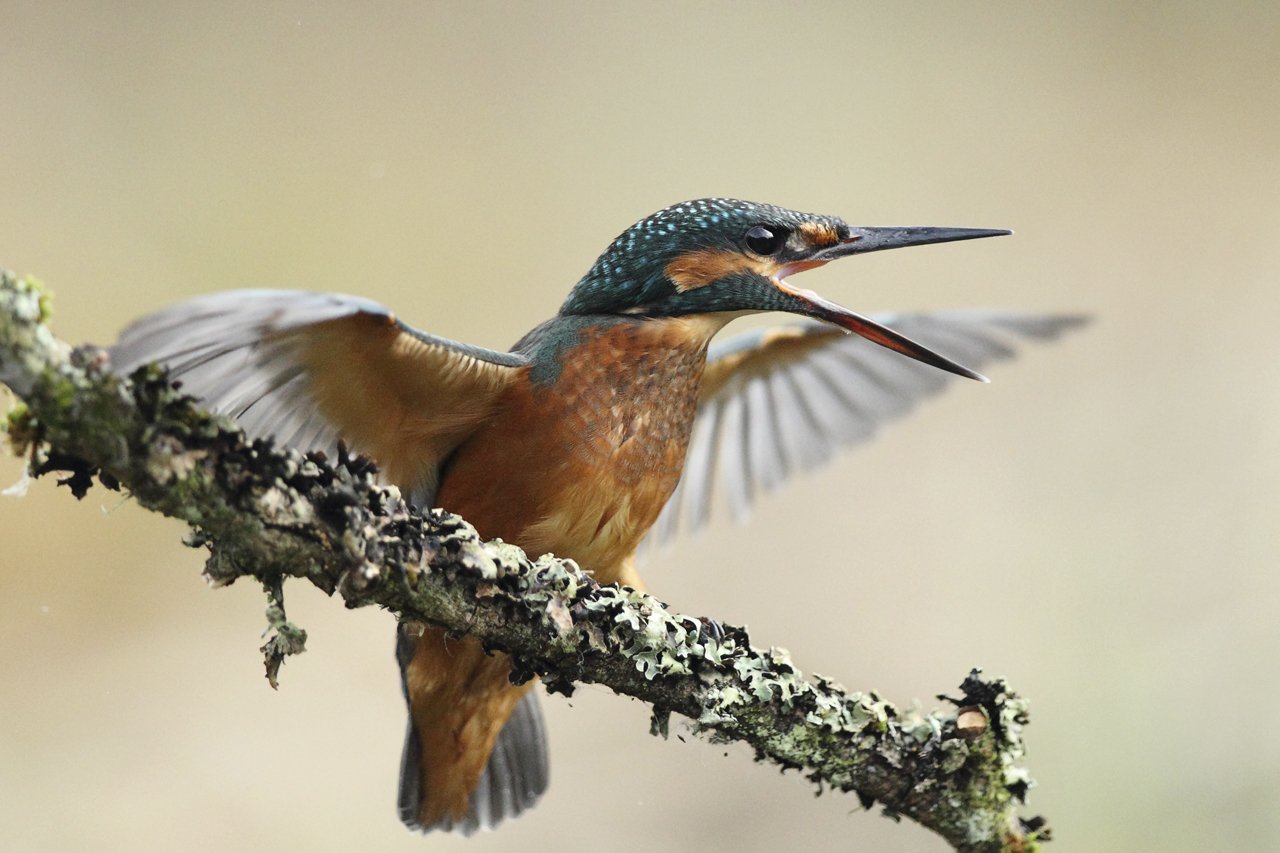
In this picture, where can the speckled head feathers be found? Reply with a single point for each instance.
(723, 257)
(633, 271)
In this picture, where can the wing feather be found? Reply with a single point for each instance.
(781, 400)
(700, 461)
(735, 472)
(310, 369)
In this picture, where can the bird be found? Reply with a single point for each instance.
(607, 427)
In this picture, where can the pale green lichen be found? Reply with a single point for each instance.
(19, 428)
(954, 754)
(491, 560)
(285, 638)
(923, 728)
(29, 348)
(282, 506)
(169, 460)
(1013, 712)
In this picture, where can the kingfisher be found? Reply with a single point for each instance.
(610, 423)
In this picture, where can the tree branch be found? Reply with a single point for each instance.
(272, 513)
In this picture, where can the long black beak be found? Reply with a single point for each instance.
(875, 240)
(878, 239)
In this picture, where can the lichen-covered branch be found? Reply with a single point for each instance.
(271, 513)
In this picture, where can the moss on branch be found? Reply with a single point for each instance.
(272, 513)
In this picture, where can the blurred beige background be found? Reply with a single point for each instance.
(1098, 525)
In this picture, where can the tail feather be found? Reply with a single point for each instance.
(514, 777)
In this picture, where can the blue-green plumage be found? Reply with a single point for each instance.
(630, 274)
(546, 345)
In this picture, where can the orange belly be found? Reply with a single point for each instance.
(583, 466)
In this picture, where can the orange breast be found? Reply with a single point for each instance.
(582, 466)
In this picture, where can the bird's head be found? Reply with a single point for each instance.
(717, 255)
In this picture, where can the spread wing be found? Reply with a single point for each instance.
(311, 368)
(782, 400)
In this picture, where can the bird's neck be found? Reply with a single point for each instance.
(620, 338)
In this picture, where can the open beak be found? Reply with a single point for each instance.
(875, 240)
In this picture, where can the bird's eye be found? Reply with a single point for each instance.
(764, 240)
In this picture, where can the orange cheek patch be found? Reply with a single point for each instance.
(704, 266)
(818, 235)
